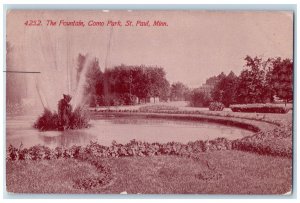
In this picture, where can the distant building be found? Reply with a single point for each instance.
(206, 88)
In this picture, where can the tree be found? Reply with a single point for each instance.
(251, 83)
(157, 82)
(211, 81)
(200, 98)
(225, 90)
(179, 92)
(122, 77)
(267, 82)
(126, 83)
(94, 82)
(282, 78)
(165, 91)
(139, 82)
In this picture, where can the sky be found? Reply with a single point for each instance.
(194, 46)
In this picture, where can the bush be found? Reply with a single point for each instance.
(259, 108)
(200, 99)
(216, 106)
(79, 118)
(50, 120)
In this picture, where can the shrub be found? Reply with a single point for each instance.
(200, 99)
(47, 121)
(259, 108)
(12, 153)
(79, 118)
(216, 106)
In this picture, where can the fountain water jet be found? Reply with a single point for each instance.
(66, 118)
(79, 93)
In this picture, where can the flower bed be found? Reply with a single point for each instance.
(277, 142)
(133, 148)
(259, 108)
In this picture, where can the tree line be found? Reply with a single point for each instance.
(123, 85)
(259, 82)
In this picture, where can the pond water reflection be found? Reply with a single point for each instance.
(122, 129)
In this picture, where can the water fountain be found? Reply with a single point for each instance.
(54, 62)
(71, 114)
(65, 118)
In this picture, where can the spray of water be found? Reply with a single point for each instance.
(50, 102)
(78, 97)
(41, 95)
(65, 118)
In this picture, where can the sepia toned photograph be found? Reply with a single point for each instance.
(149, 102)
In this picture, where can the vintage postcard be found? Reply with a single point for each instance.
(149, 102)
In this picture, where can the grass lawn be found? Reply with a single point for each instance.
(217, 172)
(214, 172)
(267, 117)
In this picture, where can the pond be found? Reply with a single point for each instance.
(121, 129)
